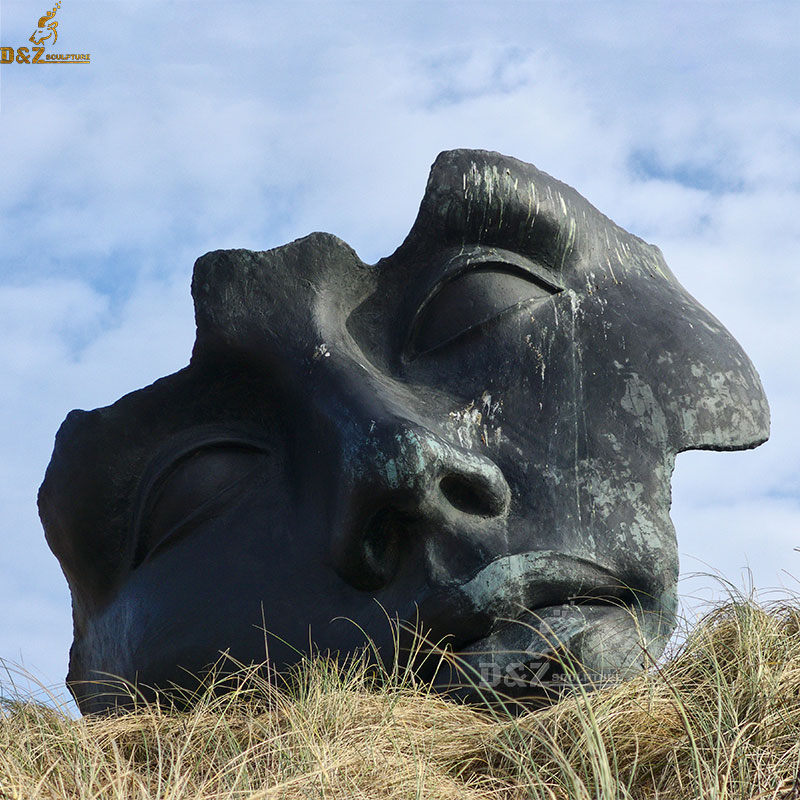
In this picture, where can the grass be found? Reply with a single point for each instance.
(719, 717)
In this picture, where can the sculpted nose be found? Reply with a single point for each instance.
(402, 481)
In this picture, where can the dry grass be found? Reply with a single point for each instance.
(719, 718)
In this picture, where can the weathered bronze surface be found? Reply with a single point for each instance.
(479, 428)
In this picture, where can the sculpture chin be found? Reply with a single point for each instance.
(555, 649)
(543, 621)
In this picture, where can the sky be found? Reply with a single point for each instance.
(205, 125)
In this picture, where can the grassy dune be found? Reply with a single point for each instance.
(719, 718)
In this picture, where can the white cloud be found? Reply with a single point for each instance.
(750, 541)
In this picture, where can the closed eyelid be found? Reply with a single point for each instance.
(466, 259)
(188, 482)
(476, 294)
(190, 442)
(199, 513)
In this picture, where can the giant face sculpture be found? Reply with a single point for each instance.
(475, 435)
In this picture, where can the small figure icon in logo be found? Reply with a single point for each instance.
(47, 28)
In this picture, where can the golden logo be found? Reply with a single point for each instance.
(47, 28)
(45, 36)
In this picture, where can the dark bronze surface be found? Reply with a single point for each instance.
(479, 428)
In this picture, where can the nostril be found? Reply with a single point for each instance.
(471, 496)
(381, 543)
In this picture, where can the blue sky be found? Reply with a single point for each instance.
(202, 125)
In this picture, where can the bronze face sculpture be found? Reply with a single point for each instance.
(476, 435)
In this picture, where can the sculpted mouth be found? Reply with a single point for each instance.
(531, 605)
(539, 579)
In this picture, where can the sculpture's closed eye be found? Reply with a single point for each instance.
(470, 300)
(196, 487)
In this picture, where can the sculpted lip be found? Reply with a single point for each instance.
(522, 586)
(538, 579)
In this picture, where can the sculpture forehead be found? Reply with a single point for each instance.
(473, 199)
(478, 197)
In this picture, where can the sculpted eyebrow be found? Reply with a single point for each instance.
(482, 257)
(492, 206)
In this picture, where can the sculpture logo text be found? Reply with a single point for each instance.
(44, 37)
